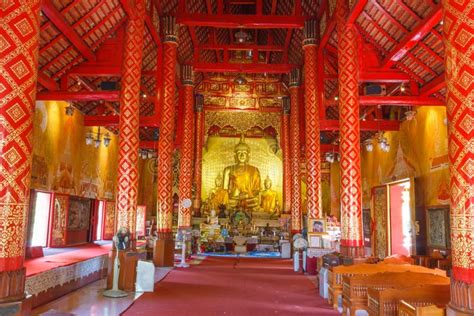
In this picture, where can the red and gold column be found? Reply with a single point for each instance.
(285, 146)
(127, 179)
(349, 126)
(18, 72)
(198, 158)
(459, 60)
(164, 247)
(187, 152)
(167, 122)
(312, 132)
(296, 216)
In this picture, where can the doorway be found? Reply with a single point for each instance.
(40, 219)
(98, 220)
(400, 218)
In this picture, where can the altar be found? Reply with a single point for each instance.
(240, 209)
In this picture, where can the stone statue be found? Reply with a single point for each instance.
(268, 199)
(242, 180)
(218, 195)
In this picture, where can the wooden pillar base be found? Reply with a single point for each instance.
(353, 252)
(163, 252)
(12, 286)
(17, 308)
(462, 299)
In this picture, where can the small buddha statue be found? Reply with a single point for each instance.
(268, 198)
(218, 195)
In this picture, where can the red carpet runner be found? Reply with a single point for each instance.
(233, 286)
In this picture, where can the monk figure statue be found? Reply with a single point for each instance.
(242, 180)
(218, 195)
(268, 199)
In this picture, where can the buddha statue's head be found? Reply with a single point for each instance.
(267, 183)
(242, 151)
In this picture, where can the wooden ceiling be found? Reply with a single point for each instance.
(401, 44)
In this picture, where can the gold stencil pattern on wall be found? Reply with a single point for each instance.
(220, 154)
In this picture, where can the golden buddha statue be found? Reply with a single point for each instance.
(268, 198)
(242, 180)
(218, 195)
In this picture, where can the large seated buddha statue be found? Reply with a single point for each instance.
(242, 180)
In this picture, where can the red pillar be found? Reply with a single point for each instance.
(458, 22)
(18, 72)
(127, 179)
(167, 117)
(351, 190)
(198, 160)
(285, 146)
(187, 152)
(295, 152)
(312, 132)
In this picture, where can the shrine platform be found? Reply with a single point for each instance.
(253, 254)
(68, 269)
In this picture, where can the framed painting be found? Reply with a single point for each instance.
(317, 225)
(79, 213)
(438, 227)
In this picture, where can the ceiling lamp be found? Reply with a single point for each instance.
(95, 139)
(369, 145)
(241, 36)
(240, 80)
(69, 110)
(410, 115)
(383, 144)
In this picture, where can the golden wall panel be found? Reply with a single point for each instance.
(63, 163)
(219, 154)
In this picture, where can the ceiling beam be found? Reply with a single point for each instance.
(78, 96)
(394, 100)
(415, 36)
(241, 21)
(244, 68)
(268, 48)
(379, 125)
(433, 86)
(47, 82)
(378, 75)
(113, 120)
(63, 26)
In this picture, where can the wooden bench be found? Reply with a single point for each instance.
(405, 309)
(385, 302)
(336, 273)
(354, 288)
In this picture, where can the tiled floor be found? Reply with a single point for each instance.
(90, 301)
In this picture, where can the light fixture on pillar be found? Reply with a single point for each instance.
(89, 138)
(69, 110)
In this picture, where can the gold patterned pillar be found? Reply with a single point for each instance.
(459, 62)
(164, 247)
(19, 42)
(127, 179)
(285, 146)
(312, 130)
(349, 126)
(296, 216)
(187, 152)
(198, 160)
